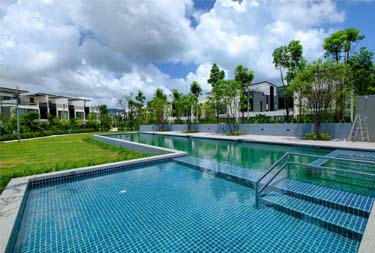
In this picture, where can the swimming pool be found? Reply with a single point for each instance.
(259, 158)
(162, 207)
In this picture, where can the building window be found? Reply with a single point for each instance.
(32, 101)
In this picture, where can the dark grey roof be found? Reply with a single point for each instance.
(264, 82)
(13, 91)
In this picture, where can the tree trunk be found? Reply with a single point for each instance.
(317, 129)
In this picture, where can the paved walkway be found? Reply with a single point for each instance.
(281, 140)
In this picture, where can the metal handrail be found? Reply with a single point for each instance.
(273, 177)
(257, 191)
(288, 154)
(333, 168)
(273, 166)
(333, 158)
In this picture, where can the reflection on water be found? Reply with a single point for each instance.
(255, 156)
(247, 155)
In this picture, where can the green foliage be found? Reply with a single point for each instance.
(314, 136)
(244, 76)
(43, 133)
(54, 154)
(234, 133)
(340, 44)
(104, 118)
(157, 107)
(289, 60)
(195, 89)
(261, 118)
(319, 81)
(362, 72)
(227, 93)
(216, 75)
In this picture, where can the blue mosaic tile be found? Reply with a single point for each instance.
(165, 207)
(352, 202)
(347, 224)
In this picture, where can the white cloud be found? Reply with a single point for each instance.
(102, 49)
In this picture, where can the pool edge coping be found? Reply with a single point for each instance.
(11, 199)
(367, 244)
(241, 138)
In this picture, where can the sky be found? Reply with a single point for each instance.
(105, 49)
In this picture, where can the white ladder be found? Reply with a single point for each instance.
(364, 130)
(359, 125)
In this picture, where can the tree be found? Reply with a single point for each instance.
(320, 81)
(176, 108)
(339, 46)
(29, 121)
(228, 91)
(216, 75)
(362, 72)
(157, 107)
(140, 100)
(196, 91)
(289, 60)
(244, 76)
(105, 119)
(131, 109)
(185, 103)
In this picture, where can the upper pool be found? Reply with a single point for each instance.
(256, 156)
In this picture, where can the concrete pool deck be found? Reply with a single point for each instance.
(284, 140)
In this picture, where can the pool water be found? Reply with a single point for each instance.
(244, 154)
(258, 157)
(163, 207)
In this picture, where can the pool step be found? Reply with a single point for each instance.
(348, 202)
(349, 225)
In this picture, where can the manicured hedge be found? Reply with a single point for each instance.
(28, 135)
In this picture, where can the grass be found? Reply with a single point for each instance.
(56, 153)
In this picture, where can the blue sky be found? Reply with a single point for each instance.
(105, 49)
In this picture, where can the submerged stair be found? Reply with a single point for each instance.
(339, 211)
(349, 225)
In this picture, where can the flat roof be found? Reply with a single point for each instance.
(79, 99)
(54, 96)
(13, 91)
(263, 82)
(41, 94)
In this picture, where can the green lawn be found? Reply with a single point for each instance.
(56, 153)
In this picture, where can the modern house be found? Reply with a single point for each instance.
(263, 98)
(10, 98)
(77, 108)
(62, 107)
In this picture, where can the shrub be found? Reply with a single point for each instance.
(28, 135)
(313, 136)
(234, 133)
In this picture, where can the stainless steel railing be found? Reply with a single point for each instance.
(284, 162)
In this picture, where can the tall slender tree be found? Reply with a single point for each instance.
(196, 91)
(289, 60)
(216, 75)
(244, 76)
(157, 106)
